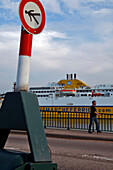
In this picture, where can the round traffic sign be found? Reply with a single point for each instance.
(32, 15)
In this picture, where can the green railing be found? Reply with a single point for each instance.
(75, 120)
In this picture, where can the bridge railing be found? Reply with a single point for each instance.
(75, 120)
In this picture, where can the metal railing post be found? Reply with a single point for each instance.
(68, 122)
(45, 121)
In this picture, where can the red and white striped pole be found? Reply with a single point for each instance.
(24, 61)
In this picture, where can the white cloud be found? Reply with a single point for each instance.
(47, 51)
(8, 4)
(51, 57)
(86, 47)
(52, 6)
(95, 8)
(8, 54)
(103, 11)
(9, 10)
(56, 56)
(71, 5)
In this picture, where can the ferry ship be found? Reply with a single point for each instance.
(73, 95)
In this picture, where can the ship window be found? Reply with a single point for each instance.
(42, 95)
(83, 94)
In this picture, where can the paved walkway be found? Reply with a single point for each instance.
(75, 134)
(78, 134)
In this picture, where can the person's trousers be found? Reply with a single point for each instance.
(92, 119)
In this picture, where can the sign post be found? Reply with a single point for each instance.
(32, 16)
(24, 61)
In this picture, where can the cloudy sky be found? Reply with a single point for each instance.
(77, 38)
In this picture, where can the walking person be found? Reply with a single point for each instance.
(93, 117)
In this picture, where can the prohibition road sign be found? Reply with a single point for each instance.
(32, 16)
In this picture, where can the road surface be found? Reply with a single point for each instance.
(72, 154)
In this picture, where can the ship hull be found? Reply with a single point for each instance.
(72, 104)
(84, 109)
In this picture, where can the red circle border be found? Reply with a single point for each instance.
(25, 25)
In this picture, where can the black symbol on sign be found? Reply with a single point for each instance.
(32, 15)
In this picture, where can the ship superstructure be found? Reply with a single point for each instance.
(73, 92)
